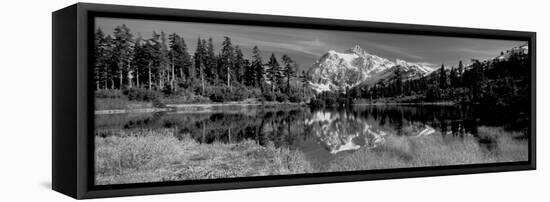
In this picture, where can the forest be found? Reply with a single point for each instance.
(496, 82)
(161, 69)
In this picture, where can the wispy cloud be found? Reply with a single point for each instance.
(396, 50)
(315, 43)
(483, 52)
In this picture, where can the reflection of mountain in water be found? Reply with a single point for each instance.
(343, 131)
(322, 132)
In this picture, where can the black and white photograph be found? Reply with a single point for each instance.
(186, 101)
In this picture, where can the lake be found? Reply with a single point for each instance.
(342, 139)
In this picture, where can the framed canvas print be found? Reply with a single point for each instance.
(154, 100)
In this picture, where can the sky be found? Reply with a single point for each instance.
(305, 46)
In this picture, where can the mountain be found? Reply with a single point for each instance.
(524, 49)
(338, 132)
(340, 70)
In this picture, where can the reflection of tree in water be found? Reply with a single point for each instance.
(279, 128)
(284, 128)
(448, 120)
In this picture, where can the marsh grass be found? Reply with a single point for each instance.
(436, 150)
(156, 155)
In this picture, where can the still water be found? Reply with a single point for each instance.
(405, 135)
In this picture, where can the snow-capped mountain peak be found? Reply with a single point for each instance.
(341, 70)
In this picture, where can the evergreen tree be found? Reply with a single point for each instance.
(180, 59)
(460, 73)
(140, 59)
(460, 68)
(239, 65)
(100, 56)
(442, 77)
(154, 51)
(110, 63)
(200, 57)
(228, 59)
(249, 77)
(174, 55)
(212, 71)
(398, 86)
(288, 71)
(164, 61)
(303, 79)
(186, 69)
(257, 65)
(123, 52)
(273, 72)
(453, 77)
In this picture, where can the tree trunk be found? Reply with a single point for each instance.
(228, 79)
(149, 67)
(120, 80)
(129, 78)
(105, 85)
(160, 79)
(203, 132)
(202, 84)
(288, 85)
(137, 79)
(229, 135)
(173, 77)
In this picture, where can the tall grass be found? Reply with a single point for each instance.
(153, 155)
(436, 150)
(124, 155)
(156, 155)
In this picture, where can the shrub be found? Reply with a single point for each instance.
(240, 94)
(167, 90)
(255, 93)
(108, 93)
(281, 97)
(330, 101)
(217, 94)
(139, 94)
(268, 96)
(295, 97)
(316, 102)
(341, 101)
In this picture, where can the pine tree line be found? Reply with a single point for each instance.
(163, 63)
(484, 82)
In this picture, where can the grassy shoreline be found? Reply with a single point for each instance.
(137, 156)
(106, 106)
(157, 156)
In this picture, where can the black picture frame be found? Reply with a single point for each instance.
(73, 110)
